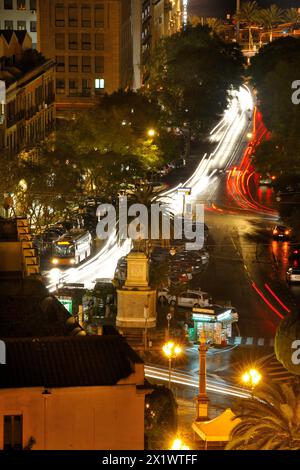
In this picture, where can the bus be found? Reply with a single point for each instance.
(71, 248)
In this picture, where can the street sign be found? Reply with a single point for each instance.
(67, 302)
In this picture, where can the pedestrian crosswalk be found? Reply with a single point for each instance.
(251, 341)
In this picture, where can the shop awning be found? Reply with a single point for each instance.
(218, 429)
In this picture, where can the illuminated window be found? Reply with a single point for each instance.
(21, 4)
(21, 25)
(8, 24)
(99, 83)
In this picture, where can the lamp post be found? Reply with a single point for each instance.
(251, 378)
(171, 351)
(238, 10)
(202, 398)
(146, 316)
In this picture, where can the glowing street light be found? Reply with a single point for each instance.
(251, 378)
(179, 445)
(171, 351)
(151, 133)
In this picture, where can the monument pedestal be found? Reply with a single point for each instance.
(136, 300)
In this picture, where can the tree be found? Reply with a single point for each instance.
(270, 17)
(160, 418)
(270, 420)
(248, 15)
(190, 74)
(288, 332)
(292, 16)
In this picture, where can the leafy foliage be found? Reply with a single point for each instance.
(190, 73)
(160, 418)
(270, 420)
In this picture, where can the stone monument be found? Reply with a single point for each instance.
(136, 299)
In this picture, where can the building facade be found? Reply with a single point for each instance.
(27, 95)
(159, 18)
(53, 396)
(19, 15)
(90, 41)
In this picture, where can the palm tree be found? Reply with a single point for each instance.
(270, 17)
(248, 16)
(292, 16)
(269, 420)
(216, 25)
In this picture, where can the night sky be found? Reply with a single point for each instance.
(221, 7)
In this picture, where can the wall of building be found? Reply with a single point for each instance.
(81, 418)
(21, 16)
(91, 44)
(29, 109)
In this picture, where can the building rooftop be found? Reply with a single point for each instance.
(67, 362)
(27, 309)
(8, 34)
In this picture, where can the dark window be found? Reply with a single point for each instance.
(73, 64)
(60, 86)
(33, 26)
(32, 4)
(86, 16)
(86, 64)
(86, 41)
(59, 41)
(99, 41)
(8, 4)
(73, 84)
(99, 16)
(73, 41)
(59, 15)
(60, 63)
(99, 64)
(13, 432)
(73, 16)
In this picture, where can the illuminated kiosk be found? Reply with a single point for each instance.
(215, 321)
(136, 300)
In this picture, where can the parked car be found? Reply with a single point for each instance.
(189, 298)
(293, 275)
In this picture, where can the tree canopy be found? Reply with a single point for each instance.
(190, 74)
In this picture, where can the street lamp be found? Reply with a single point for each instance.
(251, 378)
(171, 351)
(179, 445)
(151, 133)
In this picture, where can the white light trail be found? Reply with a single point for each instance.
(227, 134)
(188, 380)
